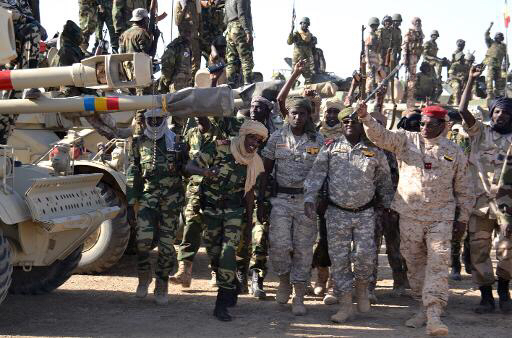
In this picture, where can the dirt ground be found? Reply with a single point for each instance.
(104, 305)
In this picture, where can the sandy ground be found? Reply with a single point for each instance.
(104, 305)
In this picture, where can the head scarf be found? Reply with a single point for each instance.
(502, 102)
(294, 102)
(155, 133)
(330, 103)
(272, 107)
(251, 160)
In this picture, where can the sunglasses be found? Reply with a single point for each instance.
(431, 124)
(349, 121)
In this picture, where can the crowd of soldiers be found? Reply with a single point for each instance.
(321, 191)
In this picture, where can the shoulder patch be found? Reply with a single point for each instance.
(328, 141)
(368, 153)
(448, 158)
(223, 142)
(312, 150)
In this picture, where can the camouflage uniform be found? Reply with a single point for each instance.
(190, 17)
(487, 157)
(291, 234)
(122, 13)
(223, 209)
(239, 52)
(412, 47)
(433, 182)
(156, 184)
(427, 86)
(303, 44)
(356, 177)
(212, 26)
(458, 75)
(88, 14)
(373, 61)
(105, 17)
(396, 43)
(430, 50)
(386, 42)
(496, 54)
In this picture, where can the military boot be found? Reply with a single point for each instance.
(144, 281)
(345, 312)
(418, 320)
(257, 285)
(504, 294)
(184, 274)
(221, 305)
(363, 302)
(487, 300)
(435, 326)
(161, 291)
(330, 298)
(456, 266)
(284, 290)
(241, 275)
(298, 307)
(321, 281)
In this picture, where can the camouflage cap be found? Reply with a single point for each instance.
(345, 113)
(305, 20)
(139, 14)
(396, 17)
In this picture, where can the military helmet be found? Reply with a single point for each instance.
(139, 14)
(386, 18)
(396, 17)
(305, 20)
(373, 21)
(460, 42)
(434, 32)
(470, 57)
(498, 35)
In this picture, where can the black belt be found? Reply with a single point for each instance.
(359, 209)
(290, 191)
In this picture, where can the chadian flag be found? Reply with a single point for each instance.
(506, 15)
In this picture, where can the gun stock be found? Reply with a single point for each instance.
(153, 27)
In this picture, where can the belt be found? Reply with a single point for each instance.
(359, 209)
(225, 203)
(290, 191)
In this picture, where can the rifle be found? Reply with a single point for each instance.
(389, 64)
(362, 67)
(153, 26)
(294, 16)
(102, 47)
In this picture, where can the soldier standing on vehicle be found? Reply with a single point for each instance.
(430, 50)
(427, 86)
(433, 181)
(397, 38)
(461, 44)
(188, 13)
(105, 17)
(213, 26)
(385, 35)
(154, 181)
(88, 14)
(303, 43)
(372, 54)
(412, 48)
(122, 11)
(495, 59)
(458, 75)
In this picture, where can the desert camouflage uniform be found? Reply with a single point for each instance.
(88, 14)
(190, 17)
(373, 61)
(122, 13)
(496, 54)
(356, 176)
(412, 48)
(504, 216)
(434, 180)
(458, 75)
(239, 52)
(105, 17)
(292, 234)
(487, 157)
(7, 123)
(213, 25)
(156, 184)
(303, 44)
(223, 209)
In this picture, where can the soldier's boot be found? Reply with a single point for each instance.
(161, 291)
(241, 276)
(321, 280)
(466, 256)
(310, 290)
(213, 280)
(363, 302)
(184, 274)
(298, 307)
(284, 290)
(257, 285)
(504, 294)
(487, 300)
(399, 283)
(330, 298)
(456, 266)
(435, 326)
(221, 305)
(144, 281)
(345, 312)
(418, 320)
(372, 297)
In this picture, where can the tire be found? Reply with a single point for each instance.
(106, 246)
(44, 279)
(5, 267)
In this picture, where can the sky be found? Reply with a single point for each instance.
(336, 24)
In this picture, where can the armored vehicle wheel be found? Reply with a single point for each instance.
(106, 245)
(44, 279)
(5, 266)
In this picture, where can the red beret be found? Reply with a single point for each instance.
(435, 111)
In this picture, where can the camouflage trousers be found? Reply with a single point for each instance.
(28, 37)
(426, 247)
(238, 51)
(193, 229)
(158, 209)
(347, 230)
(105, 18)
(88, 15)
(321, 248)
(437, 66)
(480, 241)
(7, 123)
(457, 88)
(222, 237)
(291, 237)
(409, 94)
(495, 82)
(309, 68)
(389, 229)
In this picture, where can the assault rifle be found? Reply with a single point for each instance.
(154, 31)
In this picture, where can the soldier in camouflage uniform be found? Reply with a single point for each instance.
(105, 17)
(230, 169)
(397, 38)
(213, 25)
(358, 178)
(372, 54)
(240, 40)
(495, 58)
(385, 35)
(303, 43)
(154, 181)
(188, 13)
(412, 48)
(122, 12)
(434, 181)
(430, 50)
(458, 75)
(461, 44)
(88, 14)
(427, 86)
(489, 148)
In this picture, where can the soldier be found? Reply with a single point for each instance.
(458, 75)
(105, 17)
(303, 43)
(357, 176)
(188, 13)
(433, 182)
(495, 58)
(489, 147)
(213, 26)
(412, 47)
(372, 54)
(430, 50)
(385, 35)
(88, 13)
(319, 59)
(461, 44)
(397, 38)
(230, 169)
(122, 11)
(427, 86)
(154, 181)
(239, 38)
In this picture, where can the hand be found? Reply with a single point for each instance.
(216, 76)
(212, 172)
(348, 101)
(459, 228)
(310, 210)
(130, 214)
(299, 67)
(262, 212)
(476, 71)
(362, 109)
(248, 37)
(490, 26)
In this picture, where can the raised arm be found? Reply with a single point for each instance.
(474, 73)
(283, 94)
